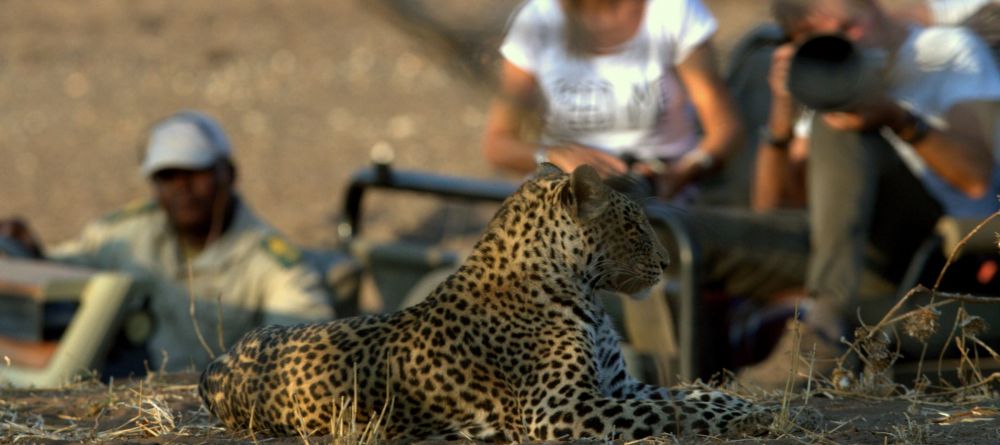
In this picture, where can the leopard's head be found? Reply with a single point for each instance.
(619, 249)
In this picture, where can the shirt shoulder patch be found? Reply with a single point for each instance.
(281, 250)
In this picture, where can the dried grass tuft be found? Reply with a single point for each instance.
(973, 325)
(922, 324)
(871, 344)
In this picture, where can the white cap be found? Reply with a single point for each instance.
(187, 140)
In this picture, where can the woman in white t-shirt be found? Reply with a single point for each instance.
(606, 81)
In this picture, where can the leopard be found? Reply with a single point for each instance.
(513, 346)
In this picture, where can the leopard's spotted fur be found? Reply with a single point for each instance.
(513, 346)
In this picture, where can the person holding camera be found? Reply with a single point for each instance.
(612, 84)
(885, 158)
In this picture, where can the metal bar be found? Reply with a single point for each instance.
(381, 176)
(690, 309)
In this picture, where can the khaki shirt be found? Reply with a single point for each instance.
(248, 277)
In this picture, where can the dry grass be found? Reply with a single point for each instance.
(144, 409)
(164, 407)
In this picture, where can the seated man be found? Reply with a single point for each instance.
(199, 247)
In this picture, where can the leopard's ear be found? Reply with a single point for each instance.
(590, 194)
(546, 169)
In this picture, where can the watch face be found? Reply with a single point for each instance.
(770, 139)
(917, 131)
(541, 156)
(706, 161)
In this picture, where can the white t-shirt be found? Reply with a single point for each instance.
(629, 101)
(936, 68)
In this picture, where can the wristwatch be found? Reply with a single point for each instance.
(541, 155)
(914, 130)
(703, 159)
(767, 137)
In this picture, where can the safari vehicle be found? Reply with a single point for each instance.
(674, 335)
(59, 321)
(403, 273)
(62, 321)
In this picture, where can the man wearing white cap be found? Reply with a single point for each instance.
(198, 241)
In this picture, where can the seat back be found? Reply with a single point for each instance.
(86, 341)
(390, 270)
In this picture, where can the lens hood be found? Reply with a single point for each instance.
(829, 73)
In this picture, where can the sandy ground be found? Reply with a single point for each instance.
(305, 89)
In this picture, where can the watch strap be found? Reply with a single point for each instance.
(914, 130)
(769, 138)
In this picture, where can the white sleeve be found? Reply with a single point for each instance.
(803, 125)
(696, 25)
(92, 248)
(952, 12)
(525, 36)
(972, 75)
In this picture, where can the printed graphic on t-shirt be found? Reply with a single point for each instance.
(647, 104)
(581, 105)
(590, 105)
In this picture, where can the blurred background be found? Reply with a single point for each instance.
(304, 88)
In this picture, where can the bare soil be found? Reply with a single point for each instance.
(305, 89)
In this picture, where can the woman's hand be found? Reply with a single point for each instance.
(570, 156)
(673, 177)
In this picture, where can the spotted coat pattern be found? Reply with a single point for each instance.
(514, 346)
